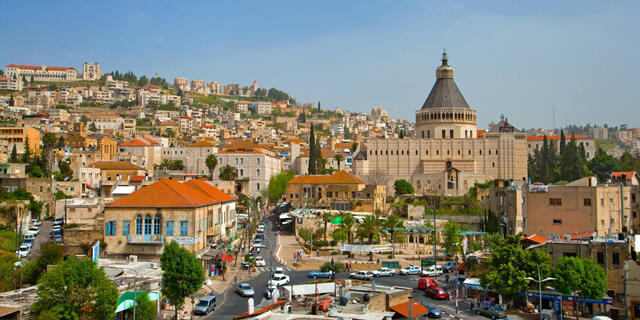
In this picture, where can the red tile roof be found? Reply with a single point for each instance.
(417, 309)
(481, 132)
(137, 179)
(164, 194)
(618, 174)
(340, 177)
(540, 138)
(535, 238)
(19, 66)
(214, 193)
(582, 235)
(139, 142)
(115, 165)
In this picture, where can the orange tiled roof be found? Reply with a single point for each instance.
(539, 138)
(214, 193)
(168, 123)
(618, 174)
(340, 177)
(115, 165)
(481, 132)
(164, 194)
(417, 309)
(139, 142)
(241, 151)
(582, 235)
(535, 238)
(296, 140)
(19, 66)
(137, 179)
(202, 143)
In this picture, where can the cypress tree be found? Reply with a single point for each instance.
(26, 156)
(563, 142)
(11, 100)
(319, 106)
(312, 152)
(14, 155)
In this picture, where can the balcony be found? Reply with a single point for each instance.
(146, 239)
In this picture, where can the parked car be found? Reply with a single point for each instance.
(28, 243)
(29, 236)
(57, 239)
(205, 305)
(245, 290)
(491, 312)
(259, 236)
(433, 311)
(449, 267)
(320, 274)
(58, 222)
(436, 293)
(362, 275)
(36, 222)
(424, 283)
(255, 249)
(57, 233)
(260, 262)
(261, 228)
(23, 251)
(410, 270)
(278, 280)
(432, 271)
(279, 270)
(245, 265)
(384, 272)
(34, 230)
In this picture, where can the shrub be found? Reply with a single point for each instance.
(336, 267)
(334, 253)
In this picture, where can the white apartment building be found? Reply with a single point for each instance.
(10, 84)
(263, 107)
(193, 156)
(243, 107)
(181, 83)
(41, 73)
(197, 85)
(255, 167)
(106, 121)
(185, 123)
(144, 152)
(114, 84)
(215, 87)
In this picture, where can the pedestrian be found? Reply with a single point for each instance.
(317, 252)
(295, 256)
(332, 261)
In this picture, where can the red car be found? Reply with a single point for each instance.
(424, 283)
(436, 293)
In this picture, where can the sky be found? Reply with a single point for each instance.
(514, 58)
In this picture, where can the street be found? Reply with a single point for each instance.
(43, 237)
(231, 304)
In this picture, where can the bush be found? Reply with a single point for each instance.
(334, 253)
(403, 187)
(333, 243)
(319, 244)
(336, 267)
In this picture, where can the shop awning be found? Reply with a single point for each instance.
(472, 282)
(125, 301)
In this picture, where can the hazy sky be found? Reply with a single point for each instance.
(512, 58)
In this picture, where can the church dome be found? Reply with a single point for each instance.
(445, 92)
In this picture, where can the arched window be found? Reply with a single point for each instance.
(156, 224)
(258, 172)
(258, 186)
(138, 224)
(147, 224)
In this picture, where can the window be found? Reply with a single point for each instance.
(353, 194)
(156, 224)
(125, 228)
(600, 258)
(291, 195)
(169, 228)
(147, 224)
(587, 202)
(636, 311)
(184, 228)
(258, 172)
(110, 228)
(258, 160)
(451, 134)
(557, 221)
(428, 133)
(616, 258)
(329, 194)
(257, 186)
(555, 201)
(444, 134)
(138, 224)
(422, 134)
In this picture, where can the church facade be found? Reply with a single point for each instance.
(448, 154)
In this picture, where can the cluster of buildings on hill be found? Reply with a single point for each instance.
(214, 87)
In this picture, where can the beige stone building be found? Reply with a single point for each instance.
(449, 154)
(10, 136)
(193, 156)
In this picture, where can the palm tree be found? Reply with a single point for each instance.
(326, 217)
(348, 222)
(165, 164)
(370, 225)
(393, 224)
(339, 158)
(228, 173)
(211, 162)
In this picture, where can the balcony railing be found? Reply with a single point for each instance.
(152, 239)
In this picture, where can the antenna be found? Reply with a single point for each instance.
(554, 116)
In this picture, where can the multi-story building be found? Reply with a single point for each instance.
(193, 214)
(10, 84)
(339, 191)
(181, 83)
(536, 142)
(215, 87)
(106, 122)
(301, 163)
(448, 155)
(145, 152)
(41, 73)
(263, 107)
(91, 71)
(243, 107)
(197, 85)
(599, 133)
(186, 124)
(255, 165)
(193, 156)
(117, 170)
(17, 136)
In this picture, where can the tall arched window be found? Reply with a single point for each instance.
(138, 224)
(156, 224)
(147, 224)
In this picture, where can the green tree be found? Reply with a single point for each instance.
(602, 165)
(50, 254)
(505, 273)
(176, 165)
(278, 185)
(76, 289)
(347, 224)
(392, 225)
(165, 164)
(13, 158)
(61, 195)
(61, 142)
(212, 163)
(370, 226)
(228, 173)
(629, 162)
(335, 267)
(11, 101)
(585, 275)
(302, 118)
(326, 217)
(594, 280)
(65, 169)
(452, 238)
(93, 128)
(313, 160)
(403, 186)
(182, 274)
(145, 308)
(143, 80)
(305, 234)
(36, 208)
(572, 166)
(339, 158)
(563, 142)
(340, 235)
(26, 155)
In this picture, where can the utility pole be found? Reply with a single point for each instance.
(410, 305)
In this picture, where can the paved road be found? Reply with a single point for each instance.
(43, 236)
(231, 304)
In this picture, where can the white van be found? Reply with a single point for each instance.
(29, 236)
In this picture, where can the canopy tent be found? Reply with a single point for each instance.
(472, 282)
(125, 301)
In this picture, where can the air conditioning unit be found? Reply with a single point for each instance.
(153, 265)
(133, 259)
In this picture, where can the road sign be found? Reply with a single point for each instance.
(458, 282)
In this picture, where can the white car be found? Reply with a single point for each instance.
(260, 228)
(432, 271)
(258, 243)
(279, 271)
(36, 222)
(34, 230)
(410, 270)
(362, 275)
(29, 236)
(384, 272)
(23, 251)
(278, 280)
(260, 262)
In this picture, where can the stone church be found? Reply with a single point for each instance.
(448, 154)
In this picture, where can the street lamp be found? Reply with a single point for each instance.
(540, 287)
